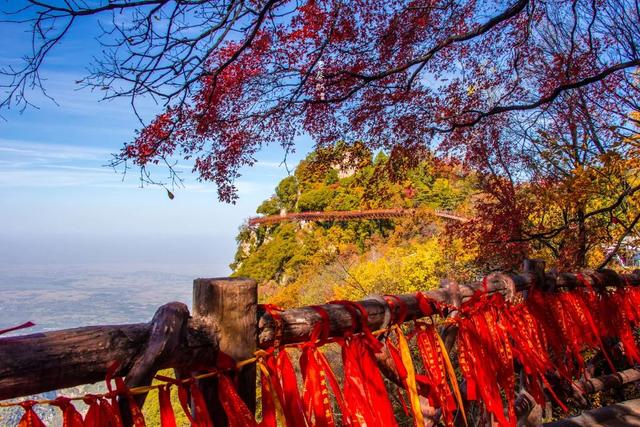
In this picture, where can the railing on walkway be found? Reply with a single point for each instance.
(351, 215)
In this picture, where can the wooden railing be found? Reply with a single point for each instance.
(226, 318)
(351, 215)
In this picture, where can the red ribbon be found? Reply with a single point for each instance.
(428, 306)
(436, 376)
(358, 312)
(619, 321)
(167, 417)
(121, 391)
(237, 412)
(283, 382)
(485, 351)
(316, 373)
(15, 328)
(274, 311)
(70, 416)
(394, 300)
(199, 417)
(198, 414)
(364, 387)
(529, 348)
(268, 405)
(282, 375)
(101, 413)
(291, 401)
(29, 418)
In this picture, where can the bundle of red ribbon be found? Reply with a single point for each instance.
(546, 333)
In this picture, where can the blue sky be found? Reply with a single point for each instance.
(59, 204)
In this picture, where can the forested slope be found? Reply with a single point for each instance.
(301, 263)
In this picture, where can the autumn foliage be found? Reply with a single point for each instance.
(533, 96)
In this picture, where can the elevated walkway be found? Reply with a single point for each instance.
(350, 215)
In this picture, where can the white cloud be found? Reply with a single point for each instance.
(40, 165)
(29, 149)
(36, 164)
(42, 178)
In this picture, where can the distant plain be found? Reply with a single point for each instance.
(57, 297)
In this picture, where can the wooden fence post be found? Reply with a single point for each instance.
(230, 307)
(530, 412)
(536, 268)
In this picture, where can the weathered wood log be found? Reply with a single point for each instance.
(228, 307)
(617, 415)
(299, 323)
(449, 332)
(168, 326)
(40, 362)
(606, 382)
(527, 410)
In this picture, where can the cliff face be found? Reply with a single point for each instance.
(309, 262)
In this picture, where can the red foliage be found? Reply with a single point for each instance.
(480, 81)
(390, 74)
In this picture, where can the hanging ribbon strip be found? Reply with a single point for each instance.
(317, 376)
(30, 418)
(401, 355)
(364, 387)
(439, 373)
(546, 333)
(70, 416)
(16, 328)
(282, 382)
(486, 356)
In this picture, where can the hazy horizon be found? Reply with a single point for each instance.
(59, 204)
(81, 244)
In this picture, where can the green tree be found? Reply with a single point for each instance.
(315, 200)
